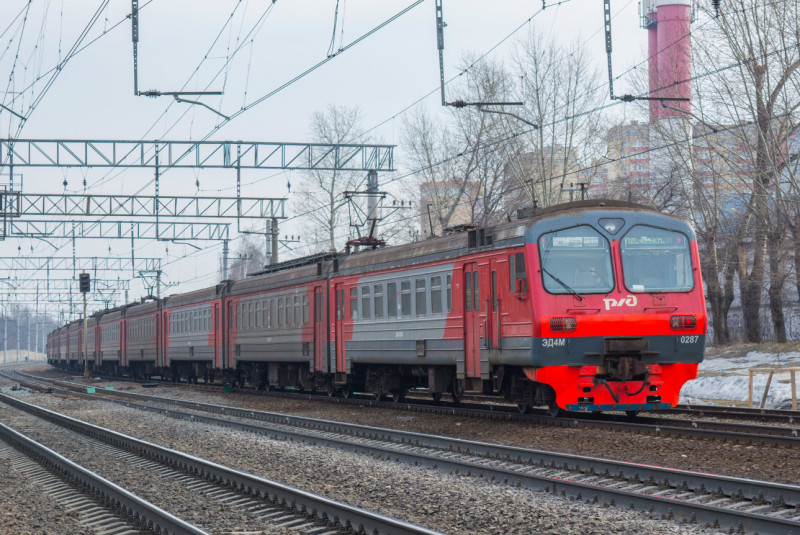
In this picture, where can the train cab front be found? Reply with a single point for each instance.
(619, 313)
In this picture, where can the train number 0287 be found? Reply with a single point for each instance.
(689, 339)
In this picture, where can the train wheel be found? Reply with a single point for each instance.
(398, 395)
(632, 414)
(346, 391)
(437, 396)
(523, 407)
(554, 410)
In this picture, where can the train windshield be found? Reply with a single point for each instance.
(576, 260)
(656, 260)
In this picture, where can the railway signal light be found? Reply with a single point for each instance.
(84, 283)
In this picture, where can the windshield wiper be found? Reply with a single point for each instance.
(563, 284)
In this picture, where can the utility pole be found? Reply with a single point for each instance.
(5, 330)
(17, 319)
(85, 283)
(274, 228)
(225, 260)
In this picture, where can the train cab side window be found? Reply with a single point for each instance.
(516, 271)
(405, 298)
(494, 291)
(421, 297)
(366, 313)
(378, 294)
(353, 303)
(391, 300)
(476, 291)
(305, 309)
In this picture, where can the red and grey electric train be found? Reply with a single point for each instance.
(590, 306)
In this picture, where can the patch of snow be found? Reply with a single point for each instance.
(730, 381)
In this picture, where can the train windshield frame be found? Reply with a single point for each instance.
(656, 260)
(576, 260)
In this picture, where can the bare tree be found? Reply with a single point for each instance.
(249, 257)
(461, 164)
(321, 198)
(761, 92)
(561, 91)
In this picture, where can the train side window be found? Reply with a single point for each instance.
(405, 298)
(421, 297)
(273, 313)
(258, 314)
(476, 291)
(305, 308)
(297, 311)
(280, 311)
(366, 313)
(436, 295)
(391, 300)
(468, 290)
(353, 303)
(449, 294)
(378, 293)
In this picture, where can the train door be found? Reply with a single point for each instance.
(319, 331)
(472, 306)
(493, 305)
(231, 333)
(216, 327)
(338, 363)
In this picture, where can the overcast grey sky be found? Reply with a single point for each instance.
(92, 96)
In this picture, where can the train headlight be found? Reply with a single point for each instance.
(684, 321)
(563, 323)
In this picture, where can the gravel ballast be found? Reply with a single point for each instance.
(447, 503)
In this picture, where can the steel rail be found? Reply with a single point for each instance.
(786, 437)
(138, 512)
(318, 507)
(769, 495)
(738, 413)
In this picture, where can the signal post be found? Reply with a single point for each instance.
(85, 284)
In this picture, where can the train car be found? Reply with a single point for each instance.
(92, 341)
(141, 354)
(112, 341)
(75, 345)
(589, 306)
(275, 334)
(190, 343)
(62, 346)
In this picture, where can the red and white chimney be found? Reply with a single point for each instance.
(670, 52)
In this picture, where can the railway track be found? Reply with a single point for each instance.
(786, 436)
(781, 416)
(100, 505)
(266, 501)
(730, 503)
